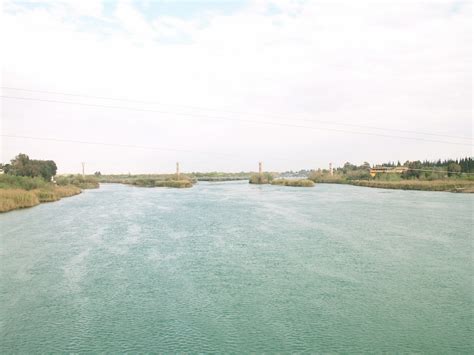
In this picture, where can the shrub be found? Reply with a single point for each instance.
(264, 178)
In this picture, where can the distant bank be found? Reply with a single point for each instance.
(446, 185)
(26, 182)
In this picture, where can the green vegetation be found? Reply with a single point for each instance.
(220, 176)
(22, 191)
(22, 165)
(270, 178)
(192, 177)
(160, 183)
(83, 182)
(293, 182)
(447, 175)
(26, 183)
(450, 185)
(265, 178)
(152, 180)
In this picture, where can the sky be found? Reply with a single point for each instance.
(222, 85)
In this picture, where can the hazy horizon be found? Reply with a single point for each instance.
(219, 86)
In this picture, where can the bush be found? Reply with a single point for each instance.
(265, 178)
(83, 182)
(21, 182)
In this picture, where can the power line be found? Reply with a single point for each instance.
(134, 146)
(235, 112)
(429, 171)
(278, 124)
(224, 156)
(51, 139)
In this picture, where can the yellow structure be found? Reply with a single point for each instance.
(387, 170)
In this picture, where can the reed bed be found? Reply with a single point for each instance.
(21, 192)
(11, 199)
(449, 185)
(160, 183)
(292, 182)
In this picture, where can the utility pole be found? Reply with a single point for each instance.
(331, 172)
(177, 170)
(83, 169)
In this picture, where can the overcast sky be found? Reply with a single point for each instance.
(221, 85)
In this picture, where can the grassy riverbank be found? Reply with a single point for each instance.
(433, 185)
(21, 191)
(447, 185)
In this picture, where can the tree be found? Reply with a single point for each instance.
(47, 168)
(454, 169)
(415, 172)
(22, 165)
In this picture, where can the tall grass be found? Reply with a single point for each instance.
(450, 185)
(20, 192)
(11, 199)
(22, 182)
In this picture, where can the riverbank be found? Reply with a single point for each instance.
(18, 192)
(446, 185)
(12, 199)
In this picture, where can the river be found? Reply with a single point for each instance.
(233, 267)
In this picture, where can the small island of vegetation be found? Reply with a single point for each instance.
(151, 180)
(264, 178)
(293, 182)
(270, 178)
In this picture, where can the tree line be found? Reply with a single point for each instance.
(417, 169)
(22, 165)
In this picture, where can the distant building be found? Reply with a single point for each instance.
(388, 170)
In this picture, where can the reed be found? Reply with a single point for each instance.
(159, 183)
(20, 192)
(11, 199)
(449, 185)
(292, 182)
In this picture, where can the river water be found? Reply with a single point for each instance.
(233, 267)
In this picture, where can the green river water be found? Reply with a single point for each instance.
(233, 267)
